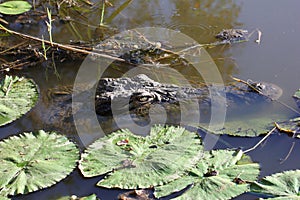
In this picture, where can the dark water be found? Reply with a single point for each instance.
(276, 59)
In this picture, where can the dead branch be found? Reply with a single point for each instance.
(62, 46)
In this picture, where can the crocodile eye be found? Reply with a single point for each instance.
(145, 99)
(259, 86)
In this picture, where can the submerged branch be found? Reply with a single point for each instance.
(289, 153)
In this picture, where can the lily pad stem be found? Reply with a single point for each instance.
(263, 139)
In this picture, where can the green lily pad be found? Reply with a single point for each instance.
(3, 198)
(296, 97)
(32, 161)
(74, 197)
(14, 7)
(17, 97)
(220, 174)
(133, 161)
(248, 127)
(283, 185)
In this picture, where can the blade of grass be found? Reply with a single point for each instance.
(118, 11)
(102, 13)
(49, 25)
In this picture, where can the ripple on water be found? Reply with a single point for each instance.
(202, 33)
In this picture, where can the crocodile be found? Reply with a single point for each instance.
(132, 47)
(135, 48)
(141, 92)
(136, 95)
(230, 36)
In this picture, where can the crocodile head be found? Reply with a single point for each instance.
(233, 35)
(116, 96)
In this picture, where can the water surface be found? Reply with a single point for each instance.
(276, 59)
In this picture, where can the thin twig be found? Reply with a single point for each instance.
(289, 132)
(3, 21)
(259, 33)
(13, 47)
(289, 153)
(263, 139)
(249, 85)
(66, 47)
(156, 44)
(16, 65)
(187, 49)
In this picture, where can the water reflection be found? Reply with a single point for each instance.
(200, 20)
(180, 14)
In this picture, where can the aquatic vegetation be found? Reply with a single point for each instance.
(3, 198)
(17, 96)
(14, 7)
(245, 127)
(122, 157)
(291, 126)
(296, 97)
(73, 197)
(161, 160)
(220, 174)
(161, 157)
(135, 195)
(32, 161)
(284, 185)
(171, 159)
